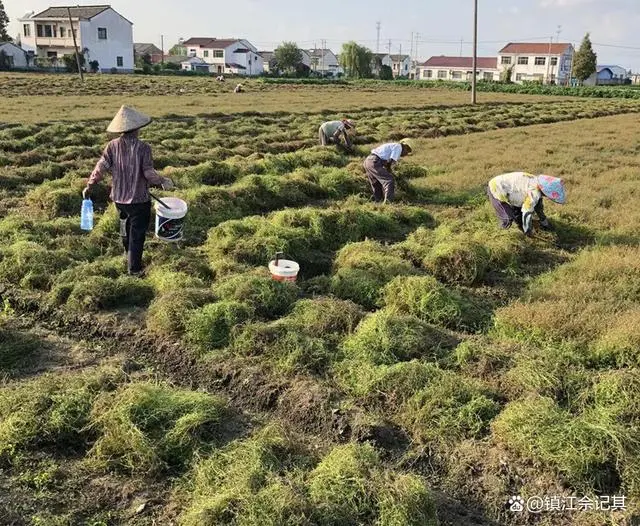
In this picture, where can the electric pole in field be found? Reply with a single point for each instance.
(75, 45)
(559, 30)
(474, 80)
(162, 47)
(461, 44)
(411, 52)
(378, 39)
(389, 47)
(324, 43)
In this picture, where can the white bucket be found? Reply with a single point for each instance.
(170, 221)
(284, 270)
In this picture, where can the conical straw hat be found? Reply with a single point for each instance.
(128, 119)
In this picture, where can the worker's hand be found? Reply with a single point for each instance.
(167, 184)
(86, 193)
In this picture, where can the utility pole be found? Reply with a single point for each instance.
(324, 43)
(378, 39)
(474, 80)
(558, 33)
(411, 52)
(162, 47)
(461, 44)
(416, 48)
(549, 61)
(389, 47)
(75, 45)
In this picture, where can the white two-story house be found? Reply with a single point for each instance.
(537, 62)
(102, 33)
(324, 62)
(401, 65)
(458, 69)
(226, 55)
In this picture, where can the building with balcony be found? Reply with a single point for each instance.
(101, 33)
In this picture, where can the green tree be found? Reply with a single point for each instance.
(288, 56)
(356, 60)
(4, 22)
(585, 60)
(71, 64)
(178, 51)
(386, 73)
(507, 75)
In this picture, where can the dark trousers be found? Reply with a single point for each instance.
(380, 179)
(134, 222)
(508, 214)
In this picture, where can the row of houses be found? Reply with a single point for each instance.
(520, 62)
(106, 37)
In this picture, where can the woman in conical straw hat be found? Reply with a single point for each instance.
(131, 165)
(517, 196)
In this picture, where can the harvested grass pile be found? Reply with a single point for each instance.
(385, 338)
(450, 408)
(462, 252)
(350, 486)
(363, 269)
(31, 265)
(267, 297)
(251, 482)
(51, 410)
(150, 428)
(307, 235)
(267, 480)
(169, 312)
(429, 300)
(306, 340)
(100, 293)
(210, 327)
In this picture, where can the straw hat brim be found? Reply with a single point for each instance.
(127, 119)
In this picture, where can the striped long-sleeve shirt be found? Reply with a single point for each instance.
(131, 165)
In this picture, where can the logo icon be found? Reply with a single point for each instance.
(516, 504)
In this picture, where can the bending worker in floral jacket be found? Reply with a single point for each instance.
(516, 196)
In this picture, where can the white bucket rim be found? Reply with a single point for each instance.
(178, 208)
(284, 268)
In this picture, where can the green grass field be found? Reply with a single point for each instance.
(426, 366)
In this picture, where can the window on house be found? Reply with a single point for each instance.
(119, 62)
(506, 61)
(26, 30)
(206, 53)
(488, 76)
(523, 61)
(55, 31)
(442, 74)
(456, 74)
(519, 77)
(102, 33)
(541, 61)
(44, 30)
(52, 54)
(554, 61)
(395, 66)
(218, 53)
(63, 32)
(427, 73)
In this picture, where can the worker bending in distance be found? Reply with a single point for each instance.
(332, 131)
(131, 165)
(517, 196)
(379, 166)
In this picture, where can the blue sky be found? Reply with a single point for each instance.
(441, 24)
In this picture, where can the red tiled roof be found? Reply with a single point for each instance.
(210, 43)
(461, 62)
(536, 48)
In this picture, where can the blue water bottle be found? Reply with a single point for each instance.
(86, 216)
